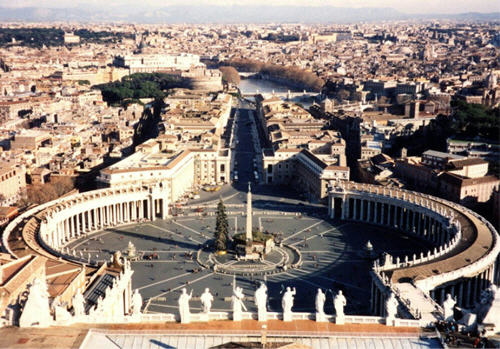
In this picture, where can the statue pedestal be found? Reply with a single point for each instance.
(320, 317)
(287, 317)
(390, 321)
(262, 315)
(237, 316)
(204, 317)
(185, 319)
(339, 320)
(135, 318)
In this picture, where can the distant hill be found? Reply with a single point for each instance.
(223, 14)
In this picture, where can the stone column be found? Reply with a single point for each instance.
(76, 225)
(152, 209)
(375, 212)
(164, 208)
(475, 286)
(103, 222)
(114, 214)
(109, 215)
(401, 217)
(95, 224)
(78, 228)
(355, 209)
(58, 234)
(370, 207)
(414, 221)
(86, 214)
(468, 293)
(428, 227)
(389, 218)
(382, 213)
(433, 230)
(89, 219)
(67, 232)
(408, 226)
(331, 207)
(418, 223)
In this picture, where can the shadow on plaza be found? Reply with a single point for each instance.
(275, 205)
(330, 278)
(158, 239)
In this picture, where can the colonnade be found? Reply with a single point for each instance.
(424, 217)
(422, 222)
(466, 291)
(69, 220)
(377, 300)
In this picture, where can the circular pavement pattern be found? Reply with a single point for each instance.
(333, 258)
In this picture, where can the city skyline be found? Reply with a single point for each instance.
(409, 7)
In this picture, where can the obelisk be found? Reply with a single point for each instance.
(249, 236)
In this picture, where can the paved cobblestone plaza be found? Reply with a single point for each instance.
(333, 257)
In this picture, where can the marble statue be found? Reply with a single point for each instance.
(339, 303)
(58, 308)
(391, 308)
(206, 301)
(287, 303)
(448, 306)
(116, 260)
(237, 302)
(78, 304)
(320, 305)
(261, 301)
(36, 311)
(131, 251)
(184, 306)
(136, 303)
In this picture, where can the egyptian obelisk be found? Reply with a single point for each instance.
(249, 236)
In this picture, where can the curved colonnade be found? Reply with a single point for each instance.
(51, 226)
(463, 259)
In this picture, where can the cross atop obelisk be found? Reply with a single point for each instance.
(249, 236)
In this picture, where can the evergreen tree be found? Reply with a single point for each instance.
(221, 228)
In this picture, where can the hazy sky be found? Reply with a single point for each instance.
(409, 6)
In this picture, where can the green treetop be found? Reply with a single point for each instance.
(221, 228)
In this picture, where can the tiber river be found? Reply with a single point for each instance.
(266, 86)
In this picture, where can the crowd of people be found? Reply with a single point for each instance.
(453, 337)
